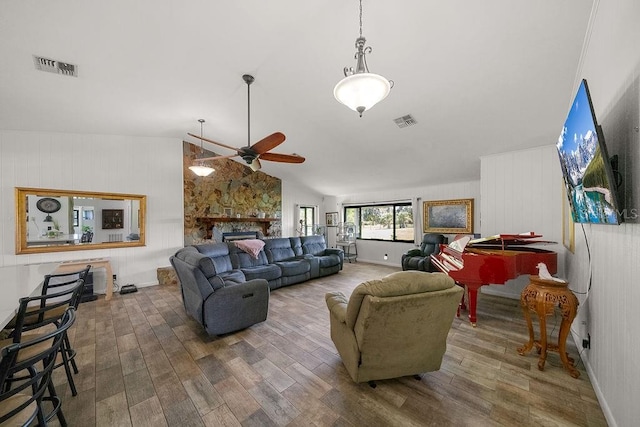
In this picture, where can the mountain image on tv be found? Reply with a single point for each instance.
(585, 165)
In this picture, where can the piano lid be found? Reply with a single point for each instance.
(507, 240)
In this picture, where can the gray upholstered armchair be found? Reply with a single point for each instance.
(394, 326)
(418, 259)
(220, 303)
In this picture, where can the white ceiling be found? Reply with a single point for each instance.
(479, 77)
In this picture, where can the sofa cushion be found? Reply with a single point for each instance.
(294, 268)
(296, 245)
(219, 255)
(329, 261)
(314, 245)
(279, 249)
(269, 272)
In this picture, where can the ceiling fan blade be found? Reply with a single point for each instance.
(268, 143)
(218, 157)
(213, 142)
(285, 158)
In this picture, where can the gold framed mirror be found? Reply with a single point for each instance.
(65, 220)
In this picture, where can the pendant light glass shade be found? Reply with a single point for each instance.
(362, 91)
(201, 170)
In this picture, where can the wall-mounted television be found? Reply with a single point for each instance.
(588, 175)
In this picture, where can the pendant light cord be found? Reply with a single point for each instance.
(248, 114)
(360, 18)
(201, 135)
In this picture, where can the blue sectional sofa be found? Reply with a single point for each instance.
(227, 289)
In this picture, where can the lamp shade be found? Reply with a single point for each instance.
(361, 91)
(201, 170)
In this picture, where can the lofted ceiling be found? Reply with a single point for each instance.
(478, 78)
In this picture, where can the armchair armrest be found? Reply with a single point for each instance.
(337, 304)
(414, 252)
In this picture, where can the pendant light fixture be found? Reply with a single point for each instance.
(199, 167)
(360, 90)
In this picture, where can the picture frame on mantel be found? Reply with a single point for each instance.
(448, 216)
(228, 212)
(331, 219)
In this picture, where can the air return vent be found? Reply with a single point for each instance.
(53, 66)
(405, 121)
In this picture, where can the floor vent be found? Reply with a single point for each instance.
(53, 66)
(405, 121)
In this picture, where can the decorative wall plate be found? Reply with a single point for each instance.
(48, 205)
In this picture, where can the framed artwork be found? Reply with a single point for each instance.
(228, 212)
(332, 219)
(568, 236)
(448, 216)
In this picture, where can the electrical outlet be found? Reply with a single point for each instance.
(114, 277)
(586, 343)
(386, 257)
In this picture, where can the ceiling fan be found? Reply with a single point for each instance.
(252, 154)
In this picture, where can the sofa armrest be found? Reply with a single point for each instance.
(337, 304)
(414, 252)
(236, 306)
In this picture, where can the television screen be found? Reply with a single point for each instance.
(586, 167)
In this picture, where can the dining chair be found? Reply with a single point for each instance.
(21, 401)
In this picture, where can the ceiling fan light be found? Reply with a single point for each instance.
(201, 170)
(255, 164)
(362, 91)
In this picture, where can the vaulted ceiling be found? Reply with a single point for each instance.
(478, 78)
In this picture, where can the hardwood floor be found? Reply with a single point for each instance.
(144, 362)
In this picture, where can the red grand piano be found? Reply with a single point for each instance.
(491, 260)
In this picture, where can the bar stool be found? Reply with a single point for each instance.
(59, 291)
(21, 401)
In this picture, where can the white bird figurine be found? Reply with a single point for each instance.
(543, 272)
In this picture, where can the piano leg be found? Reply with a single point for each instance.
(473, 303)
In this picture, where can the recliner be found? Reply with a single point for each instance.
(394, 326)
(419, 259)
(216, 295)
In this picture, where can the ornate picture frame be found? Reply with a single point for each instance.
(331, 219)
(448, 216)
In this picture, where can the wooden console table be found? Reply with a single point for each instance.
(542, 297)
(70, 266)
(209, 222)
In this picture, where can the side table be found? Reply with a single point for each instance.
(542, 297)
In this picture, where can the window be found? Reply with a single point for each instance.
(307, 216)
(392, 222)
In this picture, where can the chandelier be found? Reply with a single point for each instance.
(199, 167)
(360, 90)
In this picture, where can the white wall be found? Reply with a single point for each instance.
(611, 65)
(118, 164)
(374, 251)
(521, 192)
(604, 269)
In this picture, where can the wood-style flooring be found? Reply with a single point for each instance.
(144, 362)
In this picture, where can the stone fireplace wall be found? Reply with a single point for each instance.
(232, 186)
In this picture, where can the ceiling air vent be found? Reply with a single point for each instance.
(405, 121)
(53, 66)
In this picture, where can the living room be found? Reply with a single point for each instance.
(515, 189)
